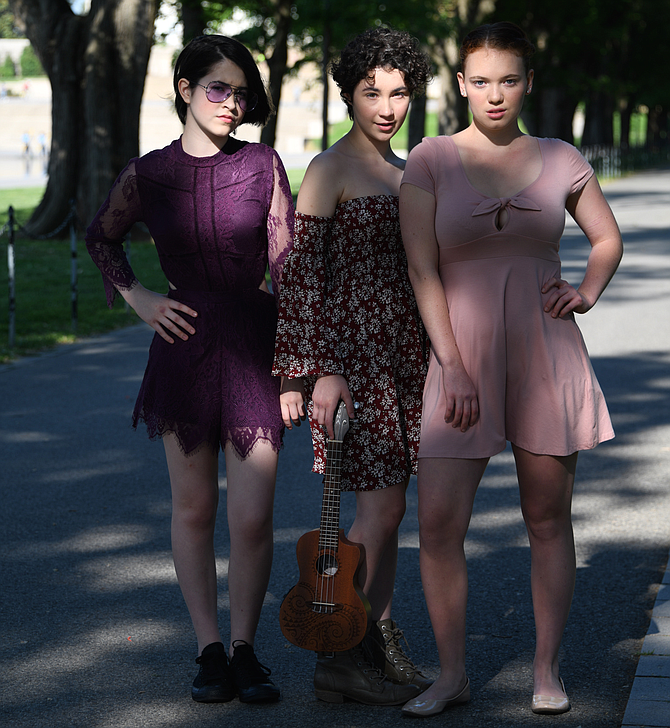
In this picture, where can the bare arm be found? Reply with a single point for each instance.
(417, 221)
(592, 213)
(321, 188)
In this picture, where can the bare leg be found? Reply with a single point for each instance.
(380, 591)
(447, 490)
(378, 515)
(546, 484)
(195, 497)
(251, 487)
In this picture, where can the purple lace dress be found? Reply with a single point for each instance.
(217, 223)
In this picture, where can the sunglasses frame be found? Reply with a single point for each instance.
(250, 103)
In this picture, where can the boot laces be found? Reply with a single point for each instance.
(366, 664)
(392, 638)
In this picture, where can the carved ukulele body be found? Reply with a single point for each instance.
(326, 611)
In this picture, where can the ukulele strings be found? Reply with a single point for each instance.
(330, 521)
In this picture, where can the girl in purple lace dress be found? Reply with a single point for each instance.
(349, 326)
(219, 211)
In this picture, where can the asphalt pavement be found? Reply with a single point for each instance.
(93, 629)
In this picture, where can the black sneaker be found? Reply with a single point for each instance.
(214, 682)
(251, 678)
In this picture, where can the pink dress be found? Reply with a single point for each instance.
(535, 384)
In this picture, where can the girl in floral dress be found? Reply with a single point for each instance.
(349, 328)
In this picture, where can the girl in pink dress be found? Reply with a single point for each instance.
(482, 214)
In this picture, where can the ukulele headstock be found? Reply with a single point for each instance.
(342, 422)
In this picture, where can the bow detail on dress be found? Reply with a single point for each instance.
(493, 204)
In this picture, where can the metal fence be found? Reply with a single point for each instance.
(609, 161)
(12, 226)
(71, 223)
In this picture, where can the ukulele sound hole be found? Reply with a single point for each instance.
(326, 565)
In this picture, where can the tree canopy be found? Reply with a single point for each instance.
(606, 56)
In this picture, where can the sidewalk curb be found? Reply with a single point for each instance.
(649, 700)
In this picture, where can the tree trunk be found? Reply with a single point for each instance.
(657, 128)
(96, 65)
(417, 122)
(452, 110)
(555, 114)
(325, 60)
(192, 18)
(598, 126)
(278, 65)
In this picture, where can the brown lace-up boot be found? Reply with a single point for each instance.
(352, 675)
(384, 641)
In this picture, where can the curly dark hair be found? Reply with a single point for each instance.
(502, 36)
(380, 48)
(201, 55)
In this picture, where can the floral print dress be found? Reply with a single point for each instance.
(347, 307)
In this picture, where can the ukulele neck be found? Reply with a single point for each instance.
(330, 507)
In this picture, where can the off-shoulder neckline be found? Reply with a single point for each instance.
(365, 197)
(347, 202)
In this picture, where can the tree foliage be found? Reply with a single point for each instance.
(7, 68)
(8, 25)
(30, 63)
(605, 54)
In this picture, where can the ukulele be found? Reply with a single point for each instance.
(326, 611)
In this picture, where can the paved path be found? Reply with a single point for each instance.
(93, 630)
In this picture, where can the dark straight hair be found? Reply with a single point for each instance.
(201, 55)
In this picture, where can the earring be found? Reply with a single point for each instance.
(528, 90)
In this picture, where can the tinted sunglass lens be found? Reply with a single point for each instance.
(219, 92)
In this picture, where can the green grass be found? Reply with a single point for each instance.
(24, 201)
(295, 180)
(42, 273)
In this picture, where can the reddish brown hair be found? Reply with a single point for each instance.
(503, 36)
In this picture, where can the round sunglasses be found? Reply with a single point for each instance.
(217, 92)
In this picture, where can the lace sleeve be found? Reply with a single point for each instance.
(106, 234)
(280, 225)
(305, 343)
